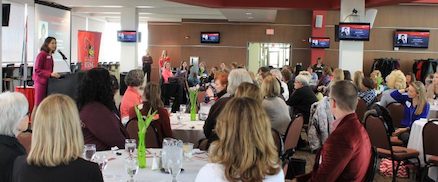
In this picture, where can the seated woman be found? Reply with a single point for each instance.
(367, 93)
(132, 96)
(249, 90)
(378, 81)
(219, 88)
(100, 123)
(275, 107)
(416, 107)
(432, 90)
(245, 150)
(284, 90)
(57, 146)
(394, 81)
(152, 97)
(183, 70)
(303, 97)
(13, 109)
(166, 73)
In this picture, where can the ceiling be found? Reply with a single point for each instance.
(231, 10)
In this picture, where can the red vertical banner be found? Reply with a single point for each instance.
(88, 49)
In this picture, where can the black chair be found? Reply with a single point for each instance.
(152, 138)
(8, 77)
(292, 136)
(372, 168)
(430, 146)
(278, 141)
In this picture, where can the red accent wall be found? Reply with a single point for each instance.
(318, 32)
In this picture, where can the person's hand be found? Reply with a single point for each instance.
(55, 75)
(209, 92)
(399, 131)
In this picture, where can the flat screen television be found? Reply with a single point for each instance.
(411, 38)
(320, 42)
(127, 36)
(210, 37)
(354, 31)
(6, 10)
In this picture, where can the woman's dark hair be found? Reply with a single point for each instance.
(45, 46)
(347, 75)
(182, 68)
(114, 83)
(368, 83)
(96, 87)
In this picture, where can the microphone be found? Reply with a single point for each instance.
(62, 54)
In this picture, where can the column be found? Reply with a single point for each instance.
(1, 50)
(128, 52)
(318, 32)
(351, 52)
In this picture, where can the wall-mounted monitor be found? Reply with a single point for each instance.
(127, 36)
(354, 31)
(411, 38)
(6, 11)
(319, 42)
(210, 37)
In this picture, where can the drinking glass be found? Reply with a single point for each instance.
(89, 151)
(130, 146)
(131, 168)
(182, 108)
(101, 160)
(188, 150)
(175, 166)
(165, 150)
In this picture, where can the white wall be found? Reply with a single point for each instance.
(12, 36)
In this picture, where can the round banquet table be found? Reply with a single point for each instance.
(115, 170)
(416, 142)
(186, 130)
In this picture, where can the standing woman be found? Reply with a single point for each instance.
(163, 59)
(147, 62)
(44, 69)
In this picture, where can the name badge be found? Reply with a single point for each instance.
(49, 57)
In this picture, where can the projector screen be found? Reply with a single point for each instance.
(54, 22)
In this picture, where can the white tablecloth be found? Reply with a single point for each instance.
(416, 142)
(115, 170)
(186, 130)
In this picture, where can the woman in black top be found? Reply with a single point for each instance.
(13, 110)
(57, 145)
(147, 62)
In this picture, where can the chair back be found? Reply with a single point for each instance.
(293, 133)
(430, 146)
(278, 141)
(152, 137)
(201, 97)
(361, 108)
(25, 139)
(372, 168)
(396, 111)
(376, 130)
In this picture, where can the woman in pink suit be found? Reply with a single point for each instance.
(44, 69)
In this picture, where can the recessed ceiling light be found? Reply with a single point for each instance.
(248, 13)
(145, 7)
(250, 17)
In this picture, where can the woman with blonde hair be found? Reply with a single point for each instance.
(245, 150)
(57, 145)
(358, 81)
(432, 89)
(275, 107)
(338, 74)
(394, 81)
(249, 90)
(416, 107)
(163, 59)
(376, 76)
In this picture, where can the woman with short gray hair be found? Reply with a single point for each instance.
(303, 97)
(13, 110)
(235, 78)
(132, 96)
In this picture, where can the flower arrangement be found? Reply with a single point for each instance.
(193, 96)
(142, 129)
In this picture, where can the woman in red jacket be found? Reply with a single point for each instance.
(44, 69)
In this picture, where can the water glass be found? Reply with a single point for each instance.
(101, 160)
(131, 168)
(182, 108)
(188, 150)
(89, 151)
(130, 146)
(175, 166)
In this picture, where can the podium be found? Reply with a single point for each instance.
(68, 84)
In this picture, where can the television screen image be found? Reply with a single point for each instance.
(127, 36)
(320, 42)
(411, 38)
(354, 31)
(210, 37)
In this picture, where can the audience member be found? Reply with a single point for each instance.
(234, 65)
(166, 72)
(287, 77)
(249, 90)
(314, 79)
(432, 90)
(284, 91)
(224, 68)
(338, 75)
(132, 96)
(152, 100)
(13, 109)
(346, 154)
(183, 70)
(219, 88)
(410, 78)
(416, 107)
(319, 67)
(100, 123)
(211, 74)
(326, 77)
(358, 81)
(394, 81)
(235, 78)
(303, 97)
(369, 94)
(57, 146)
(262, 73)
(347, 75)
(203, 70)
(376, 76)
(245, 150)
(193, 79)
(275, 107)
(163, 59)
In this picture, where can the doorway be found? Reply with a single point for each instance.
(268, 54)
